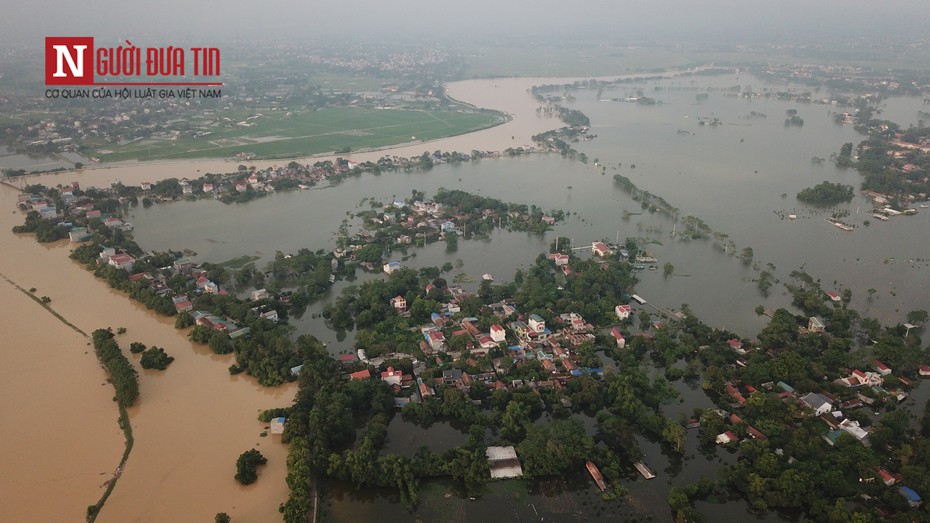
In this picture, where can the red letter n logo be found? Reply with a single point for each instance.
(69, 60)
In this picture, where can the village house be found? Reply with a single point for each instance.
(623, 311)
(726, 438)
(818, 403)
(425, 390)
(260, 294)
(559, 259)
(360, 375)
(121, 261)
(815, 325)
(399, 302)
(503, 462)
(391, 376)
(436, 339)
(600, 249)
(391, 267)
(881, 368)
(859, 378)
(621, 341)
(498, 334)
(78, 234)
(537, 324)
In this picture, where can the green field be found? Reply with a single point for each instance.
(279, 135)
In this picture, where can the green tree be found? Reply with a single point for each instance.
(555, 447)
(917, 317)
(155, 358)
(247, 465)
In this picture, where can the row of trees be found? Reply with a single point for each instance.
(122, 374)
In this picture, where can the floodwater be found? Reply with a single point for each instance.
(194, 420)
(190, 424)
(58, 423)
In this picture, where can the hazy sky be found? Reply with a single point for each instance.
(680, 19)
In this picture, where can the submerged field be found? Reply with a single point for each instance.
(279, 135)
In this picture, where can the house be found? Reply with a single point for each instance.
(391, 267)
(78, 234)
(621, 341)
(452, 376)
(834, 296)
(924, 371)
(260, 294)
(92, 214)
(735, 394)
(498, 334)
(727, 438)
(559, 259)
(853, 429)
(146, 186)
(360, 375)
(886, 478)
(815, 325)
(486, 342)
(121, 261)
(882, 369)
(425, 390)
(503, 462)
(391, 376)
(399, 302)
(735, 344)
(277, 426)
(600, 249)
(913, 499)
(623, 311)
(819, 403)
(184, 306)
(208, 187)
(537, 324)
(436, 340)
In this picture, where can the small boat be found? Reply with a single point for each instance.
(487, 277)
(644, 470)
(839, 225)
(881, 217)
(924, 206)
(596, 474)
(792, 216)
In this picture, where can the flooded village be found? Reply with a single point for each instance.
(568, 348)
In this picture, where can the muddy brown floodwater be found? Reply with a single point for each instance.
(59, 423)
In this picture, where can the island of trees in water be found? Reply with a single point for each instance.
(826, 193)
